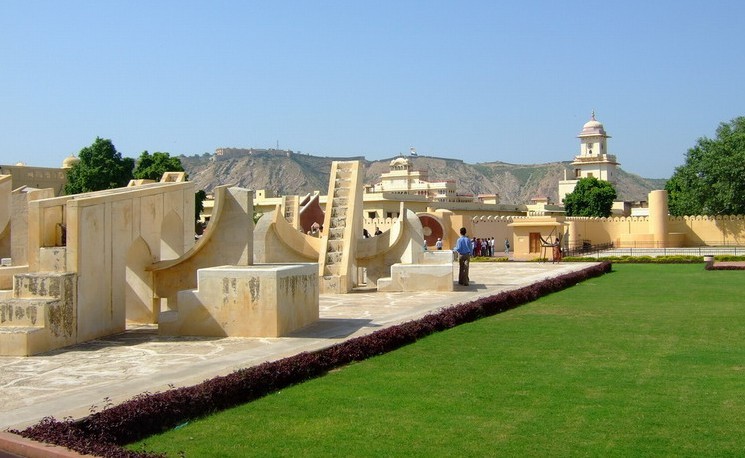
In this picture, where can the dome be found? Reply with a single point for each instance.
(593, 124)
(399, 161)
(70, 161)
(593, 128)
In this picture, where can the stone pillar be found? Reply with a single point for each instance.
(573, 239)
(658, 217)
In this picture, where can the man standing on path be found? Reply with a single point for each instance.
(463, 248)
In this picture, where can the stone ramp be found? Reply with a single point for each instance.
(75, 380)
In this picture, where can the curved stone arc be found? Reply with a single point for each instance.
(228, 241)
(272, 225)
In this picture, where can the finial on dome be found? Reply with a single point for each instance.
(593, 115)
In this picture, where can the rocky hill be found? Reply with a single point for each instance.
(301, 174)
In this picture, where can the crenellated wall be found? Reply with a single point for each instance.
(629, 231)
(635, 231)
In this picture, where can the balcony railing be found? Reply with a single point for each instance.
(599, 157)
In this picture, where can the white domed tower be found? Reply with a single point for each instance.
(593, 139)
(593, 159)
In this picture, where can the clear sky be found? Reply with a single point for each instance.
(477, 80)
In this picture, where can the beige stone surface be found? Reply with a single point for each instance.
(103, 240)
(276, 240)
(419, 277)
(246, 301)
(84, 377)
(228, 239)
(5, 209)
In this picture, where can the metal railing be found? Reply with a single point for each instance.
(607, 249)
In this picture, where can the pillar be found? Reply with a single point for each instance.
(658, 217)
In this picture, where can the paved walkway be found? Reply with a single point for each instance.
(73, 381)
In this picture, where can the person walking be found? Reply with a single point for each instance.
(463, 247)
(438, 243)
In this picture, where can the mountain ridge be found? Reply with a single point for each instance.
(288, 173)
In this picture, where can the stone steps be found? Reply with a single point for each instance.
(25, 312)
(39, 315)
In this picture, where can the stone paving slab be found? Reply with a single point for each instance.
(74, 381)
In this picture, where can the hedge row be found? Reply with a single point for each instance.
(667, 259)
(103, 433)
(670, 259)
(490, 259)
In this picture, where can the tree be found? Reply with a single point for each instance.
(591, 197)
(712, 180)
(152, 167)
(101, 166)
(199, 198)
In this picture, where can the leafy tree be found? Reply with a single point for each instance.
(199, 198)
(712, 180)
(153, 166)
(101, 166)
(591, 197)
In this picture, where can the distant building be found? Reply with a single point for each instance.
(227, 153)
(593, 159)
(40, 177)
(403, 180)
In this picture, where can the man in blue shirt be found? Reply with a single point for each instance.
(463, 247)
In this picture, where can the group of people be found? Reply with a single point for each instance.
(482, 247)
(485, 247)
(366, 233)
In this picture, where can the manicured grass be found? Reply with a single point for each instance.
(646, 360)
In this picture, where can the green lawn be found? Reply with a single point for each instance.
(646, 360)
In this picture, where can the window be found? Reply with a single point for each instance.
(372, 215)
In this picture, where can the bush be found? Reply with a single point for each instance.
(729, 258)
(103, 433)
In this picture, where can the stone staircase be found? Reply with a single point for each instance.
(291, 210)
(342, 226)
(39, 315)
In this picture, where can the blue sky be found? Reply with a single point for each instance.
(478, 80)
